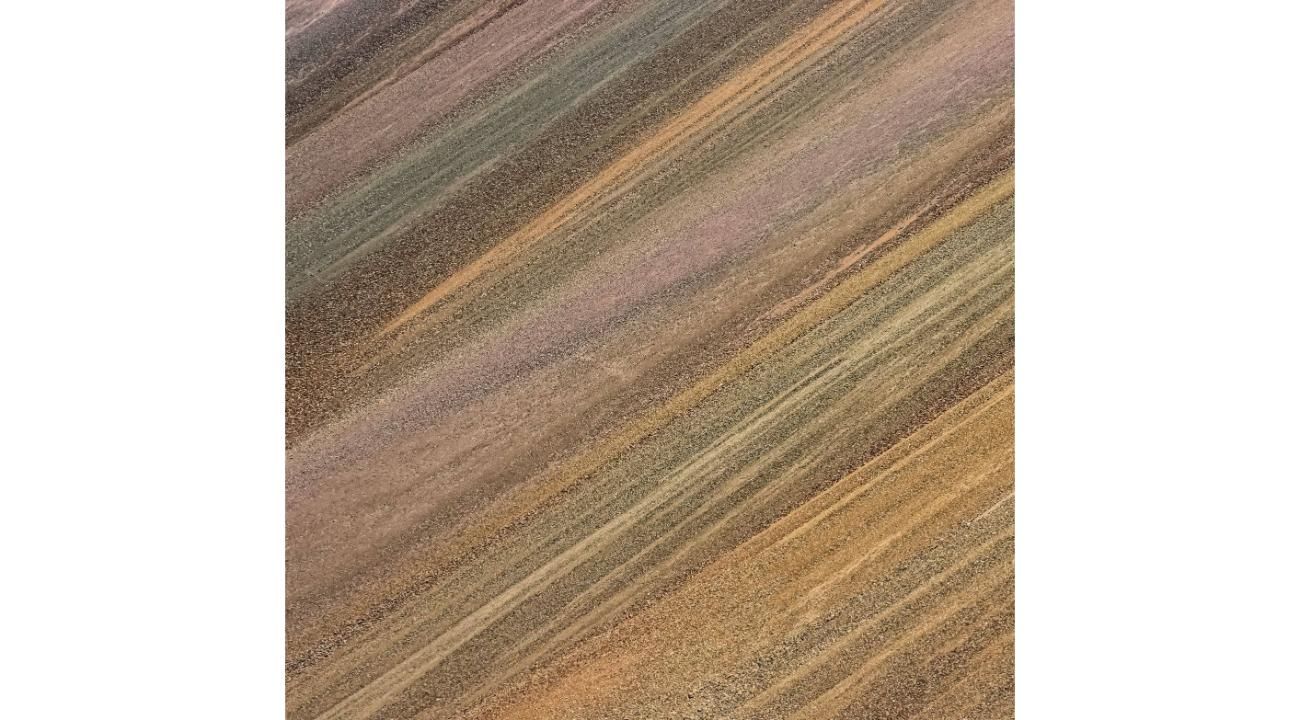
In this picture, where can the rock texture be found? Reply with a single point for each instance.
(650, 359)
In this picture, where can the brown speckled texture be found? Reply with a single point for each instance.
(650, 359)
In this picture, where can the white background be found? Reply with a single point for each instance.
(142, 512)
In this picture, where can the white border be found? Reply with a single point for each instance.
(143, 464)
(1156, 362)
